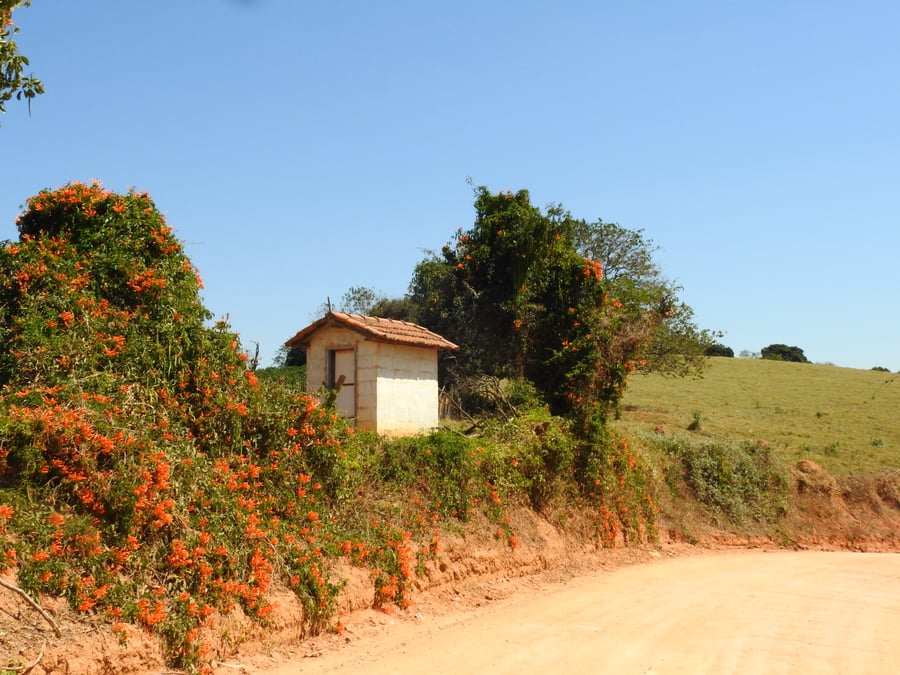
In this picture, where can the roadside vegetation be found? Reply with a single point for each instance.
(156, 481)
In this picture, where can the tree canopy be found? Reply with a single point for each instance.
(360, 300)
(719, 349)
(780, 352)
(633, 277)
(521, 295)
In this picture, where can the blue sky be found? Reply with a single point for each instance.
(301, 148)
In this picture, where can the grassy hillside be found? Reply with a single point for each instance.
(843, 419)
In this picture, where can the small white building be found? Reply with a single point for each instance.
(385, 370)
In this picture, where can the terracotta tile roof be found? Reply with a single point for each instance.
(376, 328)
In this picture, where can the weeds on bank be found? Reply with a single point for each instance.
(741, 481)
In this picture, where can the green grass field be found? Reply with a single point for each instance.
(846, 420)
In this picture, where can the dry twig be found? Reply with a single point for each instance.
(35, 605)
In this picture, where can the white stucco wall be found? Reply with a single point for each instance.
(407, 389)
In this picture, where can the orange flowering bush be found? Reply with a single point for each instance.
(618, 483)
(145, 474)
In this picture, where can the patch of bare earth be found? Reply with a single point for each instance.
(63, 641)
(475, 569)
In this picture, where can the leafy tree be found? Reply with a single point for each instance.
(780, 352)
(520, 300)
(356, 300)
(13, 81)
(626, 255)
(719, 349)
(394, 308)
(474, 293)
(678, 345)
(289, 357)
(634, 278)
(359, 300)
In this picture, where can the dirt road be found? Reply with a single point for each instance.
(744, 612)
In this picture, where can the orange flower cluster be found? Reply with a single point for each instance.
(592, 268)
(6, 512)
(81, 196)
(146, 280)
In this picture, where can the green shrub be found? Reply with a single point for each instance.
(780, 352)
(523, 395)
(443, 464)
(718, 349)
(743, 482)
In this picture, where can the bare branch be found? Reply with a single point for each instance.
(35, 605)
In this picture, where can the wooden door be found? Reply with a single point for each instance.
(342, 376)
